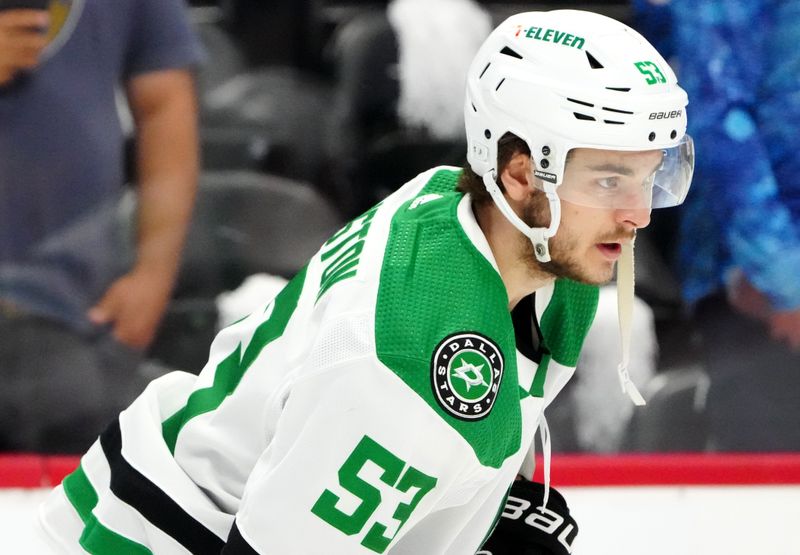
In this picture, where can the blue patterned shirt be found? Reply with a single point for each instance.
(739, 61)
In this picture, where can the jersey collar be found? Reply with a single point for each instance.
(466, 217)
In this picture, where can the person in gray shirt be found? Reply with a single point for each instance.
(78, 306)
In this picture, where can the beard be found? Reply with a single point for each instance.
(565, 261)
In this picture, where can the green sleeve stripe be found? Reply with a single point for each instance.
(80, 493)
(99, 540)
(567, 319)
(537, 388)
(96, 538)
(229, 372)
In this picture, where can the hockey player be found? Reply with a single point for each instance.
(386, 399)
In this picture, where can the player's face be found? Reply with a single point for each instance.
(589, 239)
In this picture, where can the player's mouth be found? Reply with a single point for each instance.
(610, 250)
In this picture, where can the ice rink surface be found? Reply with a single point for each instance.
(708, 520)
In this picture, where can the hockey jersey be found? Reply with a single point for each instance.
(379, 404)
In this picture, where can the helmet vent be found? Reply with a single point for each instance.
(593, 61)
(581, 102)
(583, 116)
(484, 70)
(616, 111)
(503, 80)
(508, 52)
(474, 109)
(619, 89)
(612, 122)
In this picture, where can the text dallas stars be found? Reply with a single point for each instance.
(466, 371)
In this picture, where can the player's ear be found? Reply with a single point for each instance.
(516, 176)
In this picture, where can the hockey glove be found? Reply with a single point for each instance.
(524, 529)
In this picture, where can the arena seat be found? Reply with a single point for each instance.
(674, 419)
(244, 223)
(369, 152)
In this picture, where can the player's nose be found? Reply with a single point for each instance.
(633, 218)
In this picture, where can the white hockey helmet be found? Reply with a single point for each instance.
(569, 79)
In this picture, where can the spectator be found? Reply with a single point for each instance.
(74, 319)
(740, 235)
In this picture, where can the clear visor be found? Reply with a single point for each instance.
(620, 179)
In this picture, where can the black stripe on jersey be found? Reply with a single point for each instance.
(526, 329)
(237, 545)
(133, 488)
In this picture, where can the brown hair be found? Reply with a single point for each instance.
(472, 183)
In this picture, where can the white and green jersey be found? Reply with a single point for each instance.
(378, 404)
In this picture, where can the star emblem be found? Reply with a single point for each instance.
(471, 374)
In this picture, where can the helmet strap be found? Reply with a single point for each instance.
(539, 236)
(625, 299)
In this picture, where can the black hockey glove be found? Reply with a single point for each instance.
(523, 529)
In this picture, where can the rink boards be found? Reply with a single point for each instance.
(624, 505)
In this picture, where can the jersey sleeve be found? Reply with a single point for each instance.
(347, 471)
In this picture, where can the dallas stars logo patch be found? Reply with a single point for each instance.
(466, 370)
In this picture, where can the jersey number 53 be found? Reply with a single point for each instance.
(395, 474)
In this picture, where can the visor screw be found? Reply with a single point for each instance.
(673, 134)
(546, 150)
(540, 249)
(652, 136)
(487, 134)
(544, 163)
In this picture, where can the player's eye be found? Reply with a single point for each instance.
(608, 183)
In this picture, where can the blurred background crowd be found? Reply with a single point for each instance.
(164, 166)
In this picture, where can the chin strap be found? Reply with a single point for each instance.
(538, 235)
(625, 284)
